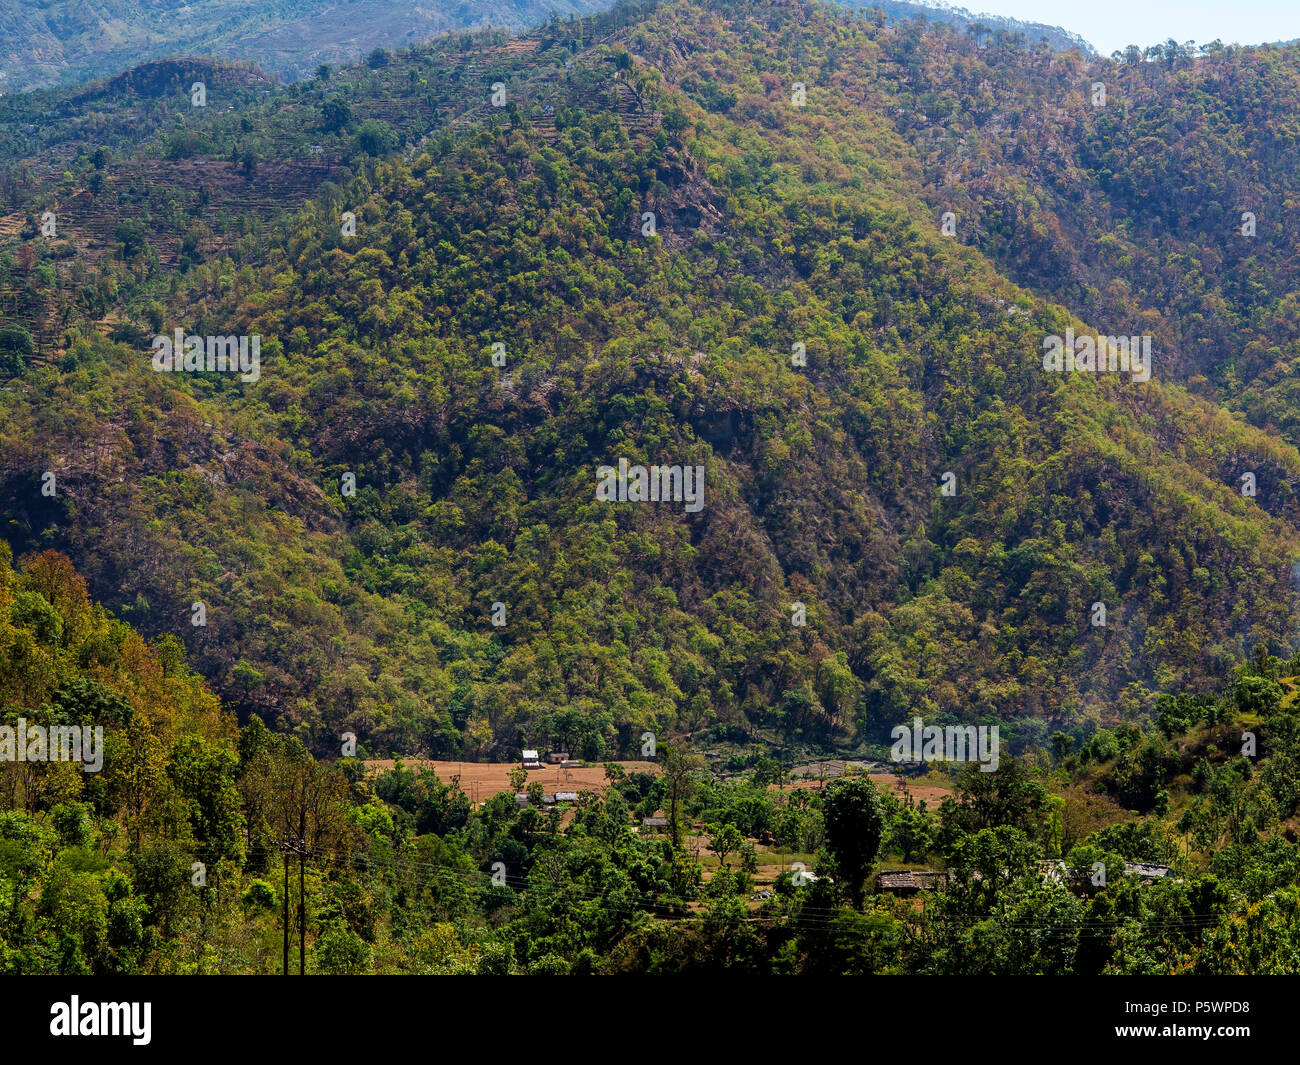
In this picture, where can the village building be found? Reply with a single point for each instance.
(906, 882)
(897, 882)
(1147, 870)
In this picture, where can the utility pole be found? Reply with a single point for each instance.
(284, 969)
(302, 907)
(295, 845)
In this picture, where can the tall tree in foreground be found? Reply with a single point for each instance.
(855, 822)
(680, 778)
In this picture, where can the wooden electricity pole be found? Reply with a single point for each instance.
(305, 805)
(302, 904)
(295, 845)
(285, 968)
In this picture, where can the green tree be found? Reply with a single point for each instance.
(726, 841)
(855, 822)
(340, 951)
(681, 777)
(335, 115)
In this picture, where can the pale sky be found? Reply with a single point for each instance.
(1111, 25)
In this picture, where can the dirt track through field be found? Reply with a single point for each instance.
(482, 780)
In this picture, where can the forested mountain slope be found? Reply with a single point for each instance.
(47, 42)
(167, 847)
(780, 219)
(1162, 188)
(962, 18)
